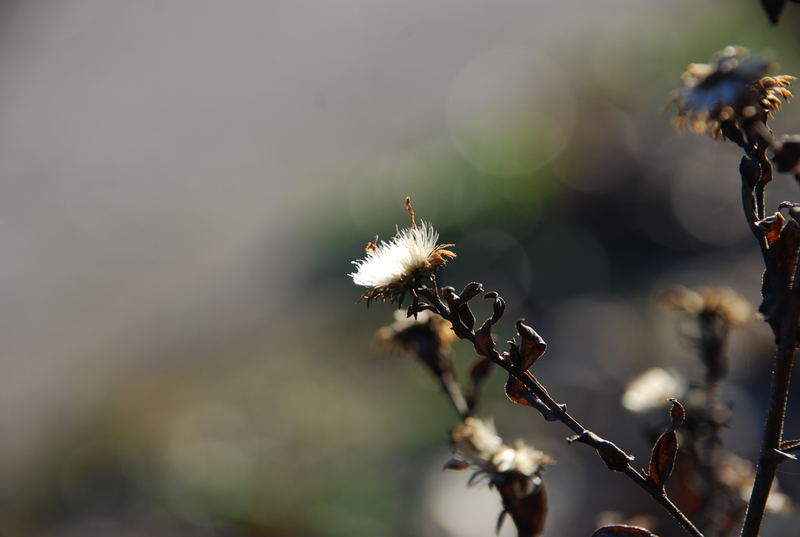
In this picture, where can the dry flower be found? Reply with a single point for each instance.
(391, 269)
(729, 95)
(476, 442)
(722, 302)
(514, 471)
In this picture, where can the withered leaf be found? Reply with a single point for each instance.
(772, 226)
(662, 459)
(517, 392)
(622, 531)
(466, 316)
(471, 290)
(780, 272)
(531, 346)
(528, 512)
(498, 306)
(451, 298)
(484, 342)
(677, 414)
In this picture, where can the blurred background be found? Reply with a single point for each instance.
(185, 182)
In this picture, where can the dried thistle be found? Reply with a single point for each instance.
(514, 471)
(728, 96)
(392, 269)
(476, 443)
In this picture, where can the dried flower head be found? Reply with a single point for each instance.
(514, 471)
(391, 269)
(652, 389)
(721, 302)
(409, 334)
(729, 95)
(476, 443)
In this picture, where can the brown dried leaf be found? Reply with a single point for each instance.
(466, 316)
(677, 414)
(517, 392)
(484, 342)
(498, 306)
(662, 460)
(452, 299)
(531, 347)
(772, 226)
(471, 290)
(622, 531)
(780, 272)
(528, 512)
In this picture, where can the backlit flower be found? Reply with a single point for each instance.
(476, 443)
(392, 268)
(729, 95)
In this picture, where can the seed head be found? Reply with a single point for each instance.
(393, 268)
(729, 95)
(476, 443)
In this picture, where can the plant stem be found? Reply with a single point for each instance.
(614, 457)
(453, 392)
(773, 427)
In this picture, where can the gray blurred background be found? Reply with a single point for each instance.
(184, 183)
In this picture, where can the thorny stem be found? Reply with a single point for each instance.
(611, 454)
(768, 460)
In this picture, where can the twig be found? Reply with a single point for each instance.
(614, 457)
(773, 428)
(768, 459)
(454, 394)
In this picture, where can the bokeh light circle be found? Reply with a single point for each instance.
(510, 111)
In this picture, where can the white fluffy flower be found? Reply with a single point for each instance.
(394, 267)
